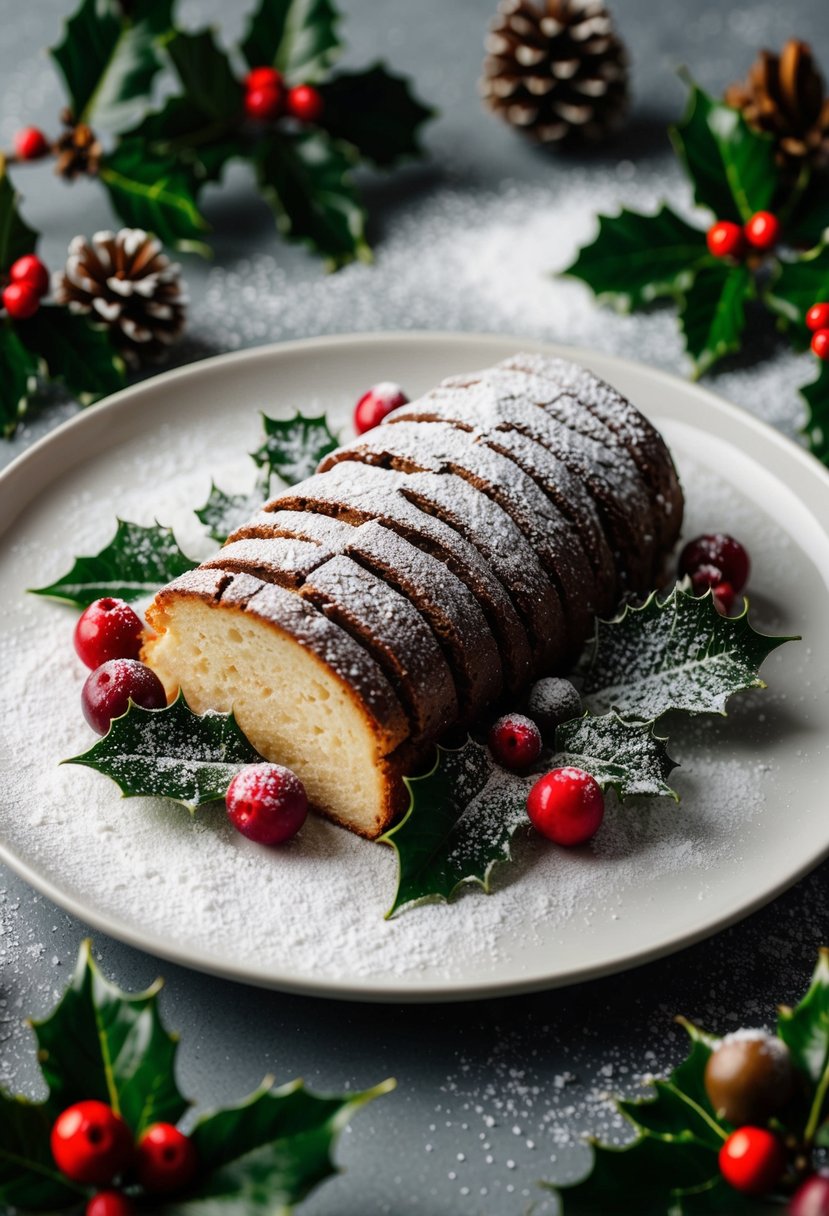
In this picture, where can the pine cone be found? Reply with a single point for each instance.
(126, 281)
(78, 149)
(785, 96)
(558, 73)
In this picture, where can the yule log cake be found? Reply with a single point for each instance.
(459, 550)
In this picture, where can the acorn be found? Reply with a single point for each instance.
(749, 1077)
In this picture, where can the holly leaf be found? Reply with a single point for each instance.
(16, 237)
(376, 112)
(29, 1179)
(636, 259)
(816, 429)
(224, 513)
(626, 756)
(796, 287)
(206, 75)
(294, 447)
(18, 378)
(712, 313)
(181, 130)
(731, 166)
(809, 224)
(805, 1029)
(136, 562)
(109, 60)
(105, 1044)
(171, 753)
(305, 177)
(75, 350)
(155, 193)
(675, 653)
(299, 37)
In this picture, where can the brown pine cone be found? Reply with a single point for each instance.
(126, 282)
(557, 72)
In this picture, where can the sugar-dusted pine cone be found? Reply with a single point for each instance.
(785, 96)
(126, 282)
(77, 149)
(556, 70)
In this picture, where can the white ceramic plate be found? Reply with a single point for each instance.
(309, 918)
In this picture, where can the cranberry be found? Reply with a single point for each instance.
(108, 629)
(304, 103)
(725, 239)
(752, 1160)
(165, 1159)
(267, 803)
(818, 317)
(21, 300)
(374, 405)
(566, 805)
(91, 1143)
(812, 1198)
(110, 688)
(263, 78)
(722, 552)
(30, 144)
(109, 1203)
(30, 269)
(515, 741)
(264, 102)
(763, 230)
(820, 344)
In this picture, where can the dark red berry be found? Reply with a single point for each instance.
(704, 578)
(267, 803)
(515, 741)
(263, 78)
(763, 230)
(304, 103)
(374, 405)
(165, 1159)
(108, 629)
(30, 144)
(725, 239)
(752, 1160)
(91, 1143)
(30, 269)
(812, 1198)
(722, 552)
(109, 1203)
(820, 344)
(566, 805)
(818, 317)
(110, 688)
(21, 300)
(264, 103)
(724, 596)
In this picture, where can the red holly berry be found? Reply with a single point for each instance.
(704, 578)
(305, 103)
(763, 230)
(566, 805)
(267, 803)
(109, 1203)
(724, 596)
(374, 405)
(264, 103)
(812, 1198)
(30, 144)
(820, 344)
(515, 741)
(30, 269)
(752, 1160)
(725, 239)
(818, 317)
(108, 629)
(165, 1159)
(110, 688)
(263, 78)
(91, 1143)
(721, 551)
(21, 300)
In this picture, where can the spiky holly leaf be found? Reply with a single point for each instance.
(713, 312)
(375, 111)
(29, 1179)
(809, 223)
(75, 350)
(18, 377)
(305, 176)
(155, 193)
(636, 259)
(224, 513)
(206, 75)
(136, 562)
(674, 653)
(795, 287)
(805, 1029)
(299, 37)
(627, 756)
(816, 429)
(171, 753)
(182, 130)
(294, 447)
(16, 237)
(109, 59)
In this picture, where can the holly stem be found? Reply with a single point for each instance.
(817, 1106)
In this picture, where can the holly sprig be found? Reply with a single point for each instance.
(265, 1153)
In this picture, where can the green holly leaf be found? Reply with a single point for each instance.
(731, 166)
(299, 37)
(224, 513)
(18, 377)
(795, 287)
(636, 259)
(805, 1029)
(109, 60)
(809, 223)
(155, 193)
(29, 1179)
(102, 1043)
(376, 112)
(206, 75)
(171, 753)
(75, 350)
(294, 447)
(136, 562)
(16, 237)
(816, 429)
(674, 653)
(305, 177)
(183, 131)
(626, 756)
(713, 312)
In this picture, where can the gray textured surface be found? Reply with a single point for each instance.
(491, 1097)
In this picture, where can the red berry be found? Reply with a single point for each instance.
(812, 1198)
(21, 300)
(109, 1203)
(267, 803)
(763, 230)
(818, 317)
(30, 144)
(305, 103)
(752, 1160)
(820, 343)
(91, 1143)
(724, 596)
(704, 578)
(723, 552)
(566, 805)
(165, 1159)
(374, 405)
(725, 239)
(108, 629)
(263, 78)
(30, 269)
(110, 688)
(264, 103)
(515, 741)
